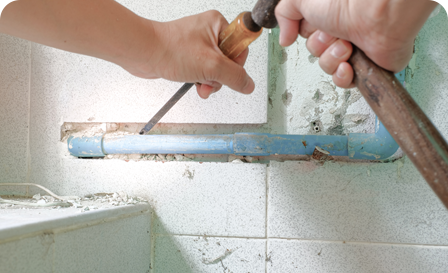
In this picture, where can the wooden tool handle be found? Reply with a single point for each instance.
(405, 121)
(238, 35)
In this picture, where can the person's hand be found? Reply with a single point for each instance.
(187, 51)
(384, 29)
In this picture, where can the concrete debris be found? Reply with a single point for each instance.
(149, 157)
(181, 158)
(238, 161)
(48, 199)
(218, 259)
(320, 155)
(87, 203)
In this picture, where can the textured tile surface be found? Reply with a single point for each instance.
(311, 256)
(117, 246)
(354, 202)
(14, 107)
(223, 199)
(33, 254)
(208, 254)
(19, 222)
(427, 76)
(87, 89)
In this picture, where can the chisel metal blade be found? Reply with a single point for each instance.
(175, 98)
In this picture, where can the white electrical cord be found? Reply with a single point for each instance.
(43, 188)
(63, 198)
(53, 204)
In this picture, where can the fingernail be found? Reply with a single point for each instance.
(339, 50)
(324, 37)
(248, 88)
(280, 39)
(340, 73)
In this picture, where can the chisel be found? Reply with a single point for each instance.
(232, 41)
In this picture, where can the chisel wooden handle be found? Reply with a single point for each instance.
(238, 35)
(405, 121)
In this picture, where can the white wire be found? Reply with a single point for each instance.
(63, 198)
(62, 204)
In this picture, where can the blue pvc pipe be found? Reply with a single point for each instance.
(377, 146)
(251, 144)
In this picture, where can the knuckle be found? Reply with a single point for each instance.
(312, 49)
(214, 14)
(325, 65)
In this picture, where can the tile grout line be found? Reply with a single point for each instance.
(266, 220)
(304, 240)
(359, 242)
(152, 240)
(210, 236)
(28, 153)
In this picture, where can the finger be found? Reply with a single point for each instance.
(241, 59)
(318, 42)
(337, 53)
(227, 72)
(207, 88)
(217, 20)
(288, 17)
(343, 77)
(305, 29)
(204, 90)
(222, 22)
(216, 86)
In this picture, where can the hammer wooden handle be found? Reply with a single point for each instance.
(405, 121)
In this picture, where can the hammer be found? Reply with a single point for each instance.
(400, 114)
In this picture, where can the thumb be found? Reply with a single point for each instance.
(234, 76)
(288, 16)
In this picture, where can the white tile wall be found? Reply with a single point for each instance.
(118, 246)
(14, 108)
(71, 241)
(208, 254)
(33, 254)
(188, 197)
(354, 202)
(316, 256)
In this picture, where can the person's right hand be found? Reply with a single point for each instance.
(384, 29)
